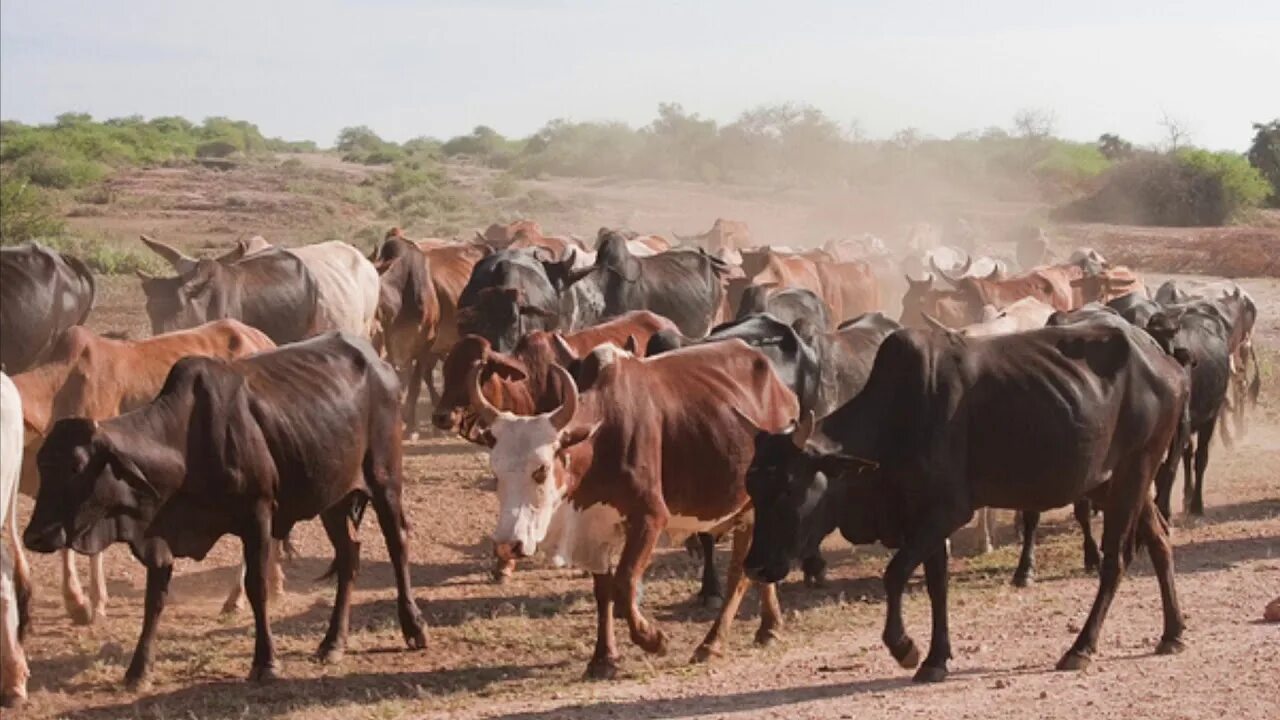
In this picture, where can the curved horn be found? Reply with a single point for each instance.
(180, 262)
(933, 265)
(563, 415)
(804, 430)
(143, 275)
(564, 353)
(481, 238)
(935, 323)
(484, 409)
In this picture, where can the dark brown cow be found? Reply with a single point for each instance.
(653, 445)
(94, 377)
(451, 267)
(249, 447)
(962, 304)
(409, 315)
(521, 382)
(42, 293)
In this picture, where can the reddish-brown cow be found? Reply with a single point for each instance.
(654, 445)
(962, 304)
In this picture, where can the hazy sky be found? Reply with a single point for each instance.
(307, 68)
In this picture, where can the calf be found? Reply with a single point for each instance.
(95, 377)
(15, 576)
(652, 446)
(1030, 421)
(248, 447)
(42, 293)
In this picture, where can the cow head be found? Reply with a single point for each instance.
(955, 307)
(799, 493)
(531, 463)
(470, 354)
(498, 315)
(92, 493)
(190, 299)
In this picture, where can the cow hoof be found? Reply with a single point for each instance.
(606, 669)
(264, 673)
(704, 653)
(906, 653)
(654, 644)
(715, 602)
(818, 580)
(1170, 647)
(767, 636)
(330, 656)
(232, 607)
(80, 613)
(930, 674)
(417, 638)
(1074, 661)
(139, 683)
(1022, 581)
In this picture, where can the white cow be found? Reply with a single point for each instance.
(347, 282)
(15, 575)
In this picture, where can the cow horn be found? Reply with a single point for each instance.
(480, 238)
(935, 323)
(484, 409)
(143, 275)
(933, 265)
(563, 415)
(175, 257)
(804, 430)
(564, 353)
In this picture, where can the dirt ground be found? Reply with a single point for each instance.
(518, 650)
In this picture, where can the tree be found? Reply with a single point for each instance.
(1034, 123)
(1176, 132)
(1113, 147)
(1264, 154)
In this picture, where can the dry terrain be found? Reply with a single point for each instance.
(518, 650)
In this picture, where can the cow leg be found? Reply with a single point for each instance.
(135, 677)
(815, 570)
(1154, 530)
(97, 586)
(73, 598)
(642, 537)
(1124, 506)
(984, 525)
(1188, 456)
(934, 668)
(713, 644)
(919, 545)
(604, 661)
(346, 558)
(1195, 499)
(235, 598)
(770, 614)
(257, 558)
(428, 377)
(710, 594)
(1025, 573)
(13, 662)
(1083, 510)
(21, 574)
(395, 532)
(411, 380)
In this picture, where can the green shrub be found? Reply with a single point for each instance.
(216, 149)
(26, 212)
(1244, 185)
(105, 257)
(1264, 154)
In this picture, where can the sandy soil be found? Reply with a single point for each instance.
(518, 650)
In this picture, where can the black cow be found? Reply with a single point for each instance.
(508, 295)
(271, 290)
(946, 425)
(683, 285)
(1135, 308)
(1198, 331)
(249, 448)
(42, 293)
(787, 304)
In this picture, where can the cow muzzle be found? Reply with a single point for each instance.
(45, 540)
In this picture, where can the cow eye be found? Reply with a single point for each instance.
(540, 475)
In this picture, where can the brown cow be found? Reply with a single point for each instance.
(94, 377)
(500, 237)
(450, 269)
(653, 445)
(521, 382)
(848, 288)
(963, 303)
(409, 315)
(724, 240)
(1110, 284)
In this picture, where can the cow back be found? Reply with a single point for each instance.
(42, 293)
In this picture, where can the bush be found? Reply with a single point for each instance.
(216, 149)
(1189, 187)
(1264, 154)
(104, 257)
(26, 213)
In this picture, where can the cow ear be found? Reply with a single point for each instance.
(631, 345)
(574, 435)
(505, 367)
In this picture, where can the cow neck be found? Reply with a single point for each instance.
(155, 437)
(39, 389)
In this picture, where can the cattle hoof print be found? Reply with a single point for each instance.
(264, 673)
(930, 674)
(1074, 661)
(1170, 647)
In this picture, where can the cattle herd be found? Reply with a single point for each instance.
(625, 389)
